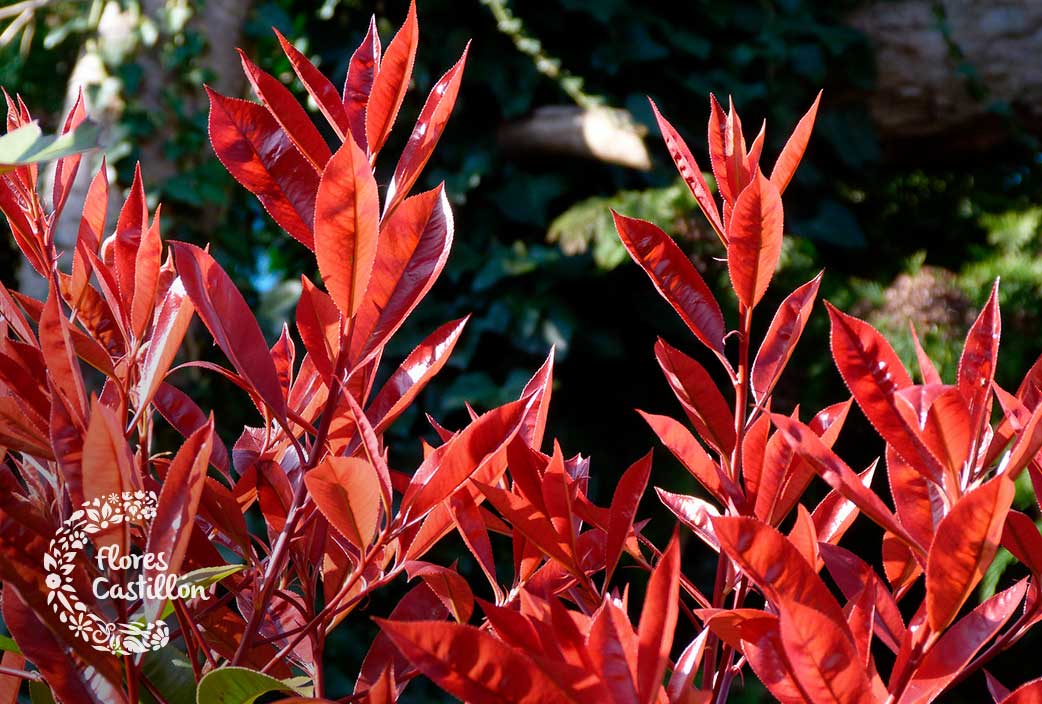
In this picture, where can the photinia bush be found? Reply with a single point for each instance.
(138, 572)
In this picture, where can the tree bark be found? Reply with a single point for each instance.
(925, 90)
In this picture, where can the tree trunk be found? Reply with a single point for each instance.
(925, 89)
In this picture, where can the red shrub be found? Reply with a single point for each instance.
(335, 522)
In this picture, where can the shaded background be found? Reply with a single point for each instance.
(922, 183)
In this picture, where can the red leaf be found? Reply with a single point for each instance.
(347, 214)
(754, 239)
(1029, 693)
(853, 577)
(781, 338)
(695, 513)
(689, 171)
(146, 278)
(92, 224)
(689, 452)
(919, 502)
(675, 278)
(347, 492)
(874, 374)
(624, 505)
(529, 521)
(658, 619)
(413, 247)
(65, 168)
(409, 379)
(792, 152)
(318, 322)
(288, 113)
(260, 156)
(774, 565)
(429, 126)
(56, 345)
(705, 406)
(824, 658)
(1021, 537)
(839, 476)
(133, 219)
(612, 646)
(172, 526)
(726, 151)
(949, 430)
(950, 655)
(318, 87)
(962, 549)
(540, 387)
(181, 412)
(977, 362)
(466, 516)
(224, 312)
(835, 514)
(491, 673)
(927, 370)
(419, 604)
(450, 587)
(477, 444)
(68, 678)
(391, 82)
(361, 72)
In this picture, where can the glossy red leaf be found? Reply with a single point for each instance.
(948, 431)
(963, 547)
(69, 678)
(466, 516)
(792, 152)
(318, 322)
(658, 619)
(754, 239)
(927, 370)
(950, 655)
(391, 82)
(978, 360)
(413, 247)
(418, 604)
(107, 466)
(781, 338)
(726, 152)
(425, 135)
(464, 455)
(774, 565)
(539, 387)
(186, 417)
(146, 278)
(853, 577)
(451, 588)
(291, 117)
(422, 364)
(839, 476)
(492, 672)
(347, 492)
(874, 374)
(133, 219)
(1021, 537)
(675, 278)
(261, 157)
(695, 513)
(318, 87)
(358, 84)
(624, 503)
(824, 658)
(171, 324)
(689, 171)
(613, 646)
(65, 168)
(689, 452)
(347, 214)
(171, 529)
(705, 406)
(1028, 693)
(56, 344)
(228, 318)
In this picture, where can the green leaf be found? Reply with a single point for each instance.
(203, 577)
(8, 645)
(238, 685)
(40, 693)
(171, 674)
(28, 144)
